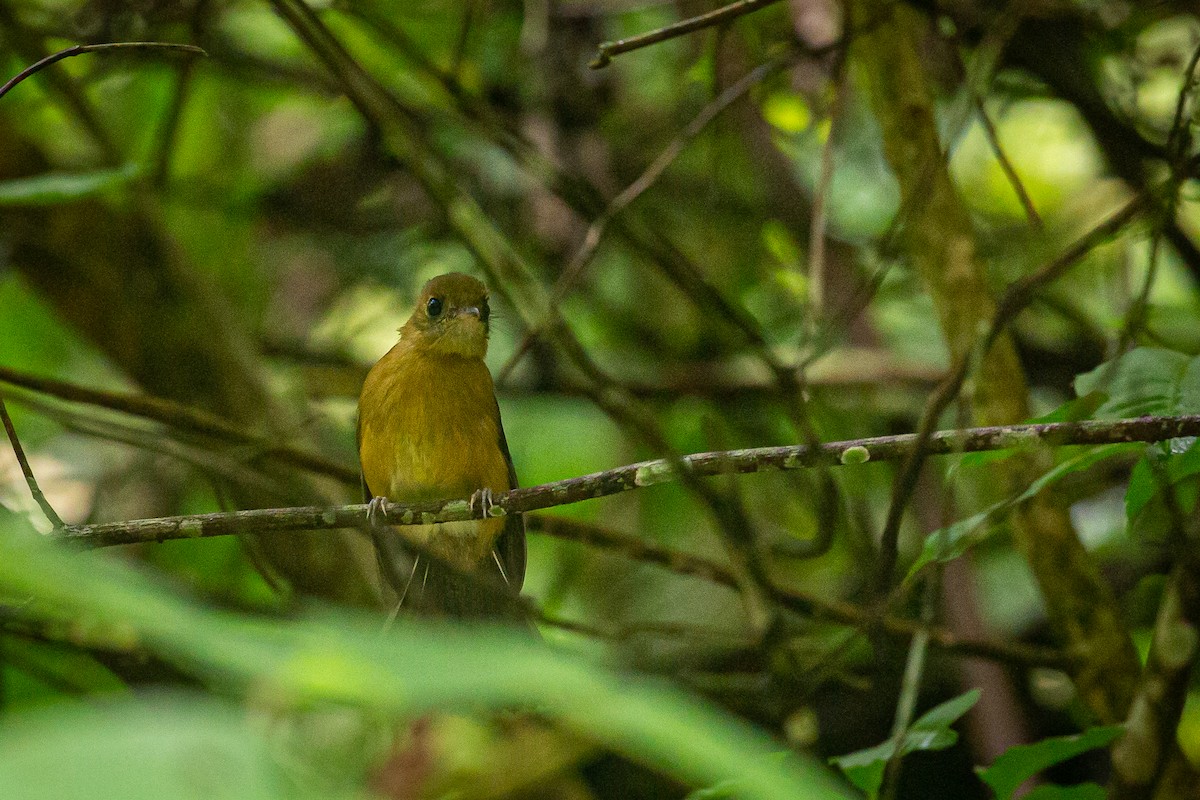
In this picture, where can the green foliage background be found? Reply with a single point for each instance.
(242, 234)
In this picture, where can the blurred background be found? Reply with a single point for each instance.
(731, 238)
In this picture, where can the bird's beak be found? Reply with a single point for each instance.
(472, 310)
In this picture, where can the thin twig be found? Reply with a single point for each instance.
(914, 666)
(1010, 172)
(1178, 140)
(80, 49)
(570, 276)
(19, 452)
(719, 16)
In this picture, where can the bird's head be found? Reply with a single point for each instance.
(451, 316)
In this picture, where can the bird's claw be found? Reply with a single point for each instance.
(481, 502)
(375, 516)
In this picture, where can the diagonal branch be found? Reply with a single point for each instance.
(19, 452)
(719, 16)
(80, 49)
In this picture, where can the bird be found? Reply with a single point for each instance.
(429, 428)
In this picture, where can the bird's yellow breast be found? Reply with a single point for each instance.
(429, 429)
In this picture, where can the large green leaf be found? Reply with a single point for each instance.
(931, 731)
(178, 747)
(1018, 764)
(1145, 381)
(410, 669)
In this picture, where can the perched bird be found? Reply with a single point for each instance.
(429, 429)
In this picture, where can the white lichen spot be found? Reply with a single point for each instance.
(329, 516)
(856, 455)
(1018, 438)
(191, 528)
(652, 473)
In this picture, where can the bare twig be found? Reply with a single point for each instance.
(19, 452)
(1006, 165)
(719, 16)
(80, 49)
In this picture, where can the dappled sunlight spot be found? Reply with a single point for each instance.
(1051, 147)
(71, 497)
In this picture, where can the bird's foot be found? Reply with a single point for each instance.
(375, 516)
(481, 502)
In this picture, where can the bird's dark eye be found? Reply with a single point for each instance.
(434, 307)
(484, 311)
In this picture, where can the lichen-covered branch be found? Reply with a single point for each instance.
(640, 475)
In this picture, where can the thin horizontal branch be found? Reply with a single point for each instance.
(181, 417)
(719, 16)
(640, 475)
(80, 49)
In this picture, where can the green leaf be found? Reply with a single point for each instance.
(930, 731)
(946, 714)
(63, 187)
(1018, 764)
(182, 747)
(413, 668)
(1082, 407)
(865, 768)
(1143, 487)
(1145, 484)
(1145, 381)
(947, 544)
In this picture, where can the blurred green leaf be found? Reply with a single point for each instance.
(1018, 764)
(63, 187)
(178, 747)
(931, 731)
(413, 668)
(35, 671)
